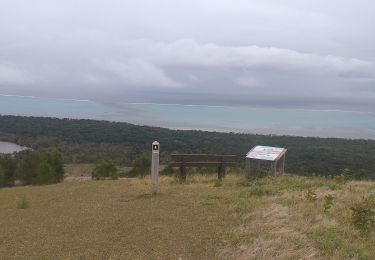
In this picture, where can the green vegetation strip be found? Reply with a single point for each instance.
(90, 141)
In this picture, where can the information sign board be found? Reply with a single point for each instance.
(267, 153)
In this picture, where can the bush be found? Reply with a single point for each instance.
(46, 174)
(41, 167)
(141, 166)
(9, 165)
(168, 171)
(2, 177)
(311, 195)
(363, 218)
(328, 202)
(105, 169)
(344, 177)
(23, 203)
(55, 160)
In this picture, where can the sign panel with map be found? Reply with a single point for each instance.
(267, 153)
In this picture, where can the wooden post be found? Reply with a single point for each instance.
(278, 165)
(273, 168)
(155, 167)
(221, 170)
(283, 171)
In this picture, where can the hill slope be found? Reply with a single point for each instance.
(263, 219)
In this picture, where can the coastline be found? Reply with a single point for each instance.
(198, 128)
(329, 123)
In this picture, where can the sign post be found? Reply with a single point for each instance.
(155, 167)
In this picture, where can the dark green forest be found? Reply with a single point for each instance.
(91, 141)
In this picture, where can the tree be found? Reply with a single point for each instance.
(41, 167)
(104, 170)
(46, 174)
(54, 159)
(141, 166)
(27, 170)
(9, 165)
(2, 177)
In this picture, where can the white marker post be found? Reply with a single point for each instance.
(155, 167)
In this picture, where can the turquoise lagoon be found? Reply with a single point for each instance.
(302, 122)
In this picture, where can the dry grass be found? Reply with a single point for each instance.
(78, 172)
(268, 218)
(286, 225)
(111, 219)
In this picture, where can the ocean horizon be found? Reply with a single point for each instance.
(241, 119)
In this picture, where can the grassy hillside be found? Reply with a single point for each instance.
(88, 141)
(266, 218)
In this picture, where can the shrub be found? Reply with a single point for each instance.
(328, 202)
(55, 160)
(141, 166)
(46, 174)
(311, 195)
(363, 218)
(105, 169)
(344, 177)
(41, 167)
(168, 171)
(9, 165)
(2, 177)
(23, 203)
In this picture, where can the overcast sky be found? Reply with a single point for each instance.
(291, 52)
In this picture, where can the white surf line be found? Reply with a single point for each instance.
(307, 109)
(171, 104)
(50, 98)
(255, 107)
(335, 110)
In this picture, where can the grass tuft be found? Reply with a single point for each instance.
(328, 202)
(218, 183)
(23, 203)
(311, 196)
(264, 191)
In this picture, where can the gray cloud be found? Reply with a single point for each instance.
(138, 72)
(12, 74)
(270, 51)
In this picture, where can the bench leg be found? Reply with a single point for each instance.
(221, 172)
(182, 173)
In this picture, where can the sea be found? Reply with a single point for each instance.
(239, 119)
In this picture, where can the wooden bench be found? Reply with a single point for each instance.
(186, 160)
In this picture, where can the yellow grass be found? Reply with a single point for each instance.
(268, 218)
